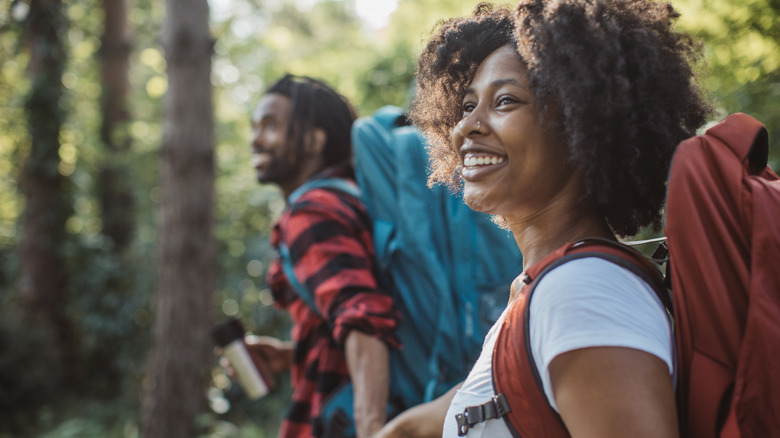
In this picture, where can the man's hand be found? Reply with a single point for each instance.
(275, 354)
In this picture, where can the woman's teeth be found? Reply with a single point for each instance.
(482, 161)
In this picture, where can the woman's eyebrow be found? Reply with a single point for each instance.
(500, 82)
(497, 84)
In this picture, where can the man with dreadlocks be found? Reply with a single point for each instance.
(301, 136)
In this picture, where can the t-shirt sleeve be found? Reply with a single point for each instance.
(591, 302)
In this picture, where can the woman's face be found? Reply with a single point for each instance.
(510, 164)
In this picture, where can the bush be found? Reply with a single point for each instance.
(29, 370)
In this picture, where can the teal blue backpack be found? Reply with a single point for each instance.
(448, 267)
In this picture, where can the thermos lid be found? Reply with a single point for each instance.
(228, 331)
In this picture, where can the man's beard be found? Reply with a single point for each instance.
(281, 169)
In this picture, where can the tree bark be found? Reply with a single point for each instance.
(181, 357)
(114, 192)
(47, 206)
(115, 188)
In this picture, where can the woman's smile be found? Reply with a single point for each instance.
(477, 165)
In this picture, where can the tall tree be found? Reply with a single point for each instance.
(181, 356)
(114, 189)
(116, 194)
(47, 206)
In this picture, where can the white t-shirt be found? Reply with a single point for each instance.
(588, 302)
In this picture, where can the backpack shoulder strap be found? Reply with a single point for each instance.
(512, 349)
(623, 256)
(303, 292)
(338, 184)
(615, 252)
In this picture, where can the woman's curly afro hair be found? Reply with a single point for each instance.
(614, 76)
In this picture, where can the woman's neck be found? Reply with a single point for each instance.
(541, 234)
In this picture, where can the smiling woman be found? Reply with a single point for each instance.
(508, 159)
(561, 118)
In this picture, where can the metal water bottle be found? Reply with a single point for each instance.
(230, 337)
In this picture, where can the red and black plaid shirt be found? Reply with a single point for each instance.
(329, 237)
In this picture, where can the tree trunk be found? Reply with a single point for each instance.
(116, 189)
(115, 194)
(181, 356)
(47, 205)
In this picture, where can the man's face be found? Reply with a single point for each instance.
(272, 152)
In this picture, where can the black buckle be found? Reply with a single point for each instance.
(463, 423)
(661, 253)
(497, 407)
(502, 406)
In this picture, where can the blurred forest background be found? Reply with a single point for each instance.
(131, 221)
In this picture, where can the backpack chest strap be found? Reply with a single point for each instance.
(497, 407)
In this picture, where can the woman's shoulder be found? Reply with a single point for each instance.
(598, 297)
(591, 275)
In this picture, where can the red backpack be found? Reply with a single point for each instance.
(723, 234)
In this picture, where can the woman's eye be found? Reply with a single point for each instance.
(505, 101)
(468, 107)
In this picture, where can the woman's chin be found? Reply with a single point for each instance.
(477, 202)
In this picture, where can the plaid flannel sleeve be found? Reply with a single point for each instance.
(331, 246)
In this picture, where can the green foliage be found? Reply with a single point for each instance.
(742, 53)
(29, 371)
(13, 132)
(80, 418)
(110, 296)
(112, 322)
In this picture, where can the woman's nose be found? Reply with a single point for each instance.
(471, 125)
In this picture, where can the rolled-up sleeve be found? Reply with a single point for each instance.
(331, 248)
